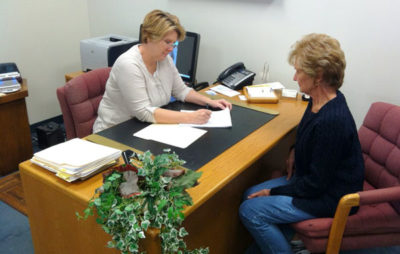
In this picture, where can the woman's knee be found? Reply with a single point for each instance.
(244, 210)
(248, 212)
(252, 211)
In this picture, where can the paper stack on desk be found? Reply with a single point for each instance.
(76, 159)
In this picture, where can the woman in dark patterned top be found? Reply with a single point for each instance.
(325, 162)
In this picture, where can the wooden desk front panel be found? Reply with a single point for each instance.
(51, 212)
(216, 222)
(15, 135)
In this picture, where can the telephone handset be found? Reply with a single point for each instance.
(236, 76)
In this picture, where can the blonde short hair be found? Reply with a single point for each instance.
(320, 53)
(157, 23)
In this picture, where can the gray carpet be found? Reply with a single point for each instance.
(15, 235)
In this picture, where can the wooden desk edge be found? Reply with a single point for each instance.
(20, 94)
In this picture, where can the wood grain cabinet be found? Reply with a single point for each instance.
(15, 135)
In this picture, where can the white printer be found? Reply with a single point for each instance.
(102, 51)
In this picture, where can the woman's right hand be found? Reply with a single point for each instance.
(290, 164)
(200, 116)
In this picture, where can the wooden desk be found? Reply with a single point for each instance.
(213, 219)
(15, 134)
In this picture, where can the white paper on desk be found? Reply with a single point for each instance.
(171, 134)
(273, 85)
(218, 119)
(224, 90)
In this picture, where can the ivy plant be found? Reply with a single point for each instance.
(141, 195)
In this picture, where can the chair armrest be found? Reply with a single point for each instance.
(339, 221)
(379, 195)
(356, 199)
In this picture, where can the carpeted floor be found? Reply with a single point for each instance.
(12, 193)
(15, 235)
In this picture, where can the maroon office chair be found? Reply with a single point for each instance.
(79, 101)
(377, 223)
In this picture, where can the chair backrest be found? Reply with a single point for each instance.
(79, 101)
(380, 142)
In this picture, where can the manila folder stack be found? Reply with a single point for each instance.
(76, 158)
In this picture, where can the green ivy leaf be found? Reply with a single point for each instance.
(182, 232)
(78, 215)
(110, 244)
(133, 247)
(132, 218)
(136, 227)
(106, 229)
(187, 180)
(161, 205)
(120, 245)
(170, 213)
(141, 235)
(141, 172)
(129, 208)
(97, 202)
(146, 215)
(106, 186)
(145, 225)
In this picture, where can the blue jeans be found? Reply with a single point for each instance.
(265, 217)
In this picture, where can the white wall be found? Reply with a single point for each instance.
(255, 31)
(42, 37)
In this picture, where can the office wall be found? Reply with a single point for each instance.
(42, 37)
(259, 31)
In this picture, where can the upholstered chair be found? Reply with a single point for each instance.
(79, 101)
(377, 222)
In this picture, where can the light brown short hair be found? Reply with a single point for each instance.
(157, 23)
(316, 53)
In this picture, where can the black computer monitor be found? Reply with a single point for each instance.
(185, 56)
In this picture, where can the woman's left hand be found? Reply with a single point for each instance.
(264, 192)
(221, 103)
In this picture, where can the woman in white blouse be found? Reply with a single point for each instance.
(144, 78)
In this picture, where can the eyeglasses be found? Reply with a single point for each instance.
(171, 44)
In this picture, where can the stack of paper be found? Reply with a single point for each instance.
(76, 159)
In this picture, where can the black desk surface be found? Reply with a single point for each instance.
(207, 147)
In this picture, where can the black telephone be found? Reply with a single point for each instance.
(236, 76)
